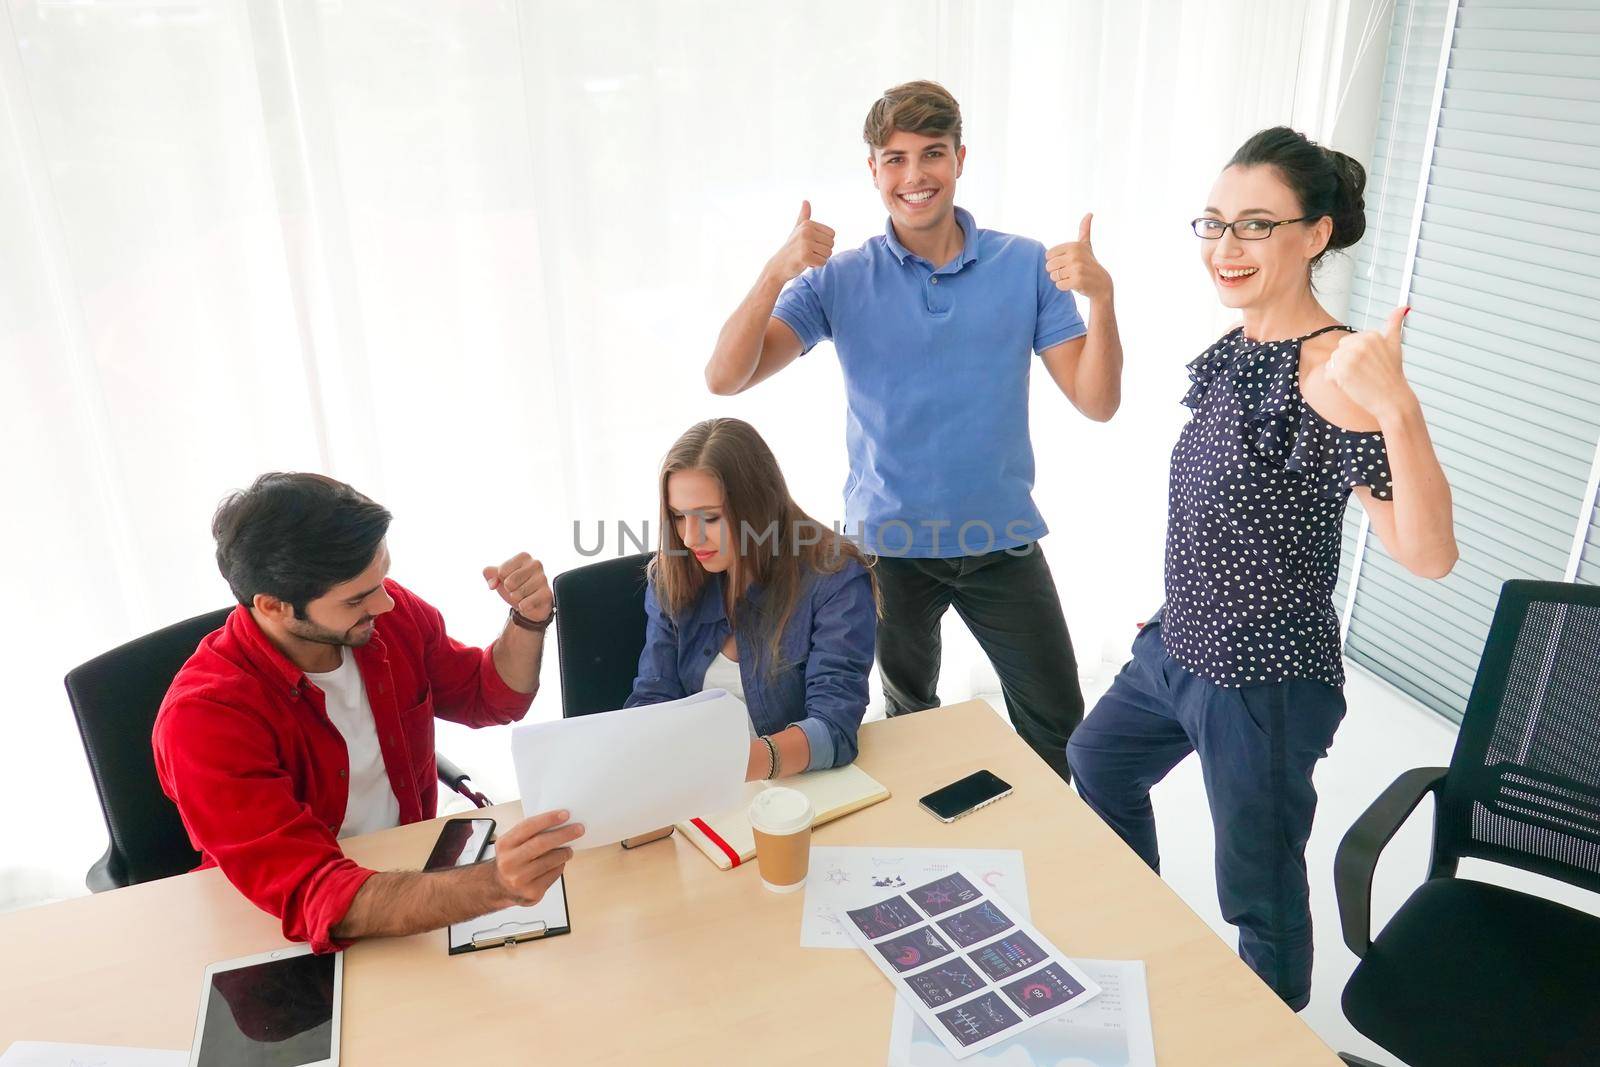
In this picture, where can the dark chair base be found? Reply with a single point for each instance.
(1469, 974)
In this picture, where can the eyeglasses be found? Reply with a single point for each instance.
(1244, 229)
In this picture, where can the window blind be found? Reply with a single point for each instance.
(1502, 271)
(1589, 551)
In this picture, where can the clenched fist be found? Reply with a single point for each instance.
(1367, 366)
(809, 245)
(1072, 266)
(520, 581)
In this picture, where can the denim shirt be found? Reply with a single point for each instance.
(825, 655)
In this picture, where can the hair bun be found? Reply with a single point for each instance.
(1348, 210)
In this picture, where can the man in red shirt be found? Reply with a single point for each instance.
(309, 717)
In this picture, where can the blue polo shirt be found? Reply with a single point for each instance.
(936, 362)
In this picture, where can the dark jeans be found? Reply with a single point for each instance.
(1010, 605)
(1257, 745)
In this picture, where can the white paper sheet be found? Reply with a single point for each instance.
(55, 1054)
(841, 878)
(623, 773)
(975, 971)
(551, 910)
(1112, 1030)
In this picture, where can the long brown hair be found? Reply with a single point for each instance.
(757, 510)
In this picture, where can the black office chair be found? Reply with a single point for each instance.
(115, 697)
(1469, 973)
(600, 621)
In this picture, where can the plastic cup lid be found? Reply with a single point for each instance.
(779, 810)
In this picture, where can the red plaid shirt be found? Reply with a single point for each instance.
(245, 748)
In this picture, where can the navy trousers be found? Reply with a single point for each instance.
(1257, 745)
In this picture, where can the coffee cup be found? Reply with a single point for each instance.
(781, 819)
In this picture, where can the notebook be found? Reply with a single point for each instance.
(727, 839)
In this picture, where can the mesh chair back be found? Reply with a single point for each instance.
(115, 698)
(600, 623)
(1524, 782)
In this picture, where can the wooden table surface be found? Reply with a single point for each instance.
(670, 961)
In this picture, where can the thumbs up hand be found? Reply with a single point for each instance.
(1368, 366)
(809, 245)
(1072, 266)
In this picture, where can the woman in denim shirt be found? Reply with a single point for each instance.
(749, 594)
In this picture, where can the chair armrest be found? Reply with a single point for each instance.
(1357, 858)
(459, 780)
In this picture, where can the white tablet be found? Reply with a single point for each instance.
(276, 1009)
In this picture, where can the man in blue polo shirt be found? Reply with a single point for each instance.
(934, 323)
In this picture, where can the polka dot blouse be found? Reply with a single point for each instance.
(1256, 504)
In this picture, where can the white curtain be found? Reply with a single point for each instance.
(471, 257)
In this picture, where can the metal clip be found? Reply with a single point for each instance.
(493, 938)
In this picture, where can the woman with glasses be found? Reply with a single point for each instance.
(1292, 413)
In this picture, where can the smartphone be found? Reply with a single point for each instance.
(966, 796)
(461, 841)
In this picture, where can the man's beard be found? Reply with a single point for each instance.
(355, 637)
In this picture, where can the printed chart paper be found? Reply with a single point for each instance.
(969, 966)
(55, 1054)
(1112, 1030)
(845, 877)
(623, 773)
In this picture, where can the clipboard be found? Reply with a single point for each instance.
(514, 925)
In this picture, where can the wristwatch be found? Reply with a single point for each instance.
(522, 621)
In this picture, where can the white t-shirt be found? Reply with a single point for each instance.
(372, 804)
(723, 673)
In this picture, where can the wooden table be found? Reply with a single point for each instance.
(671, 961)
